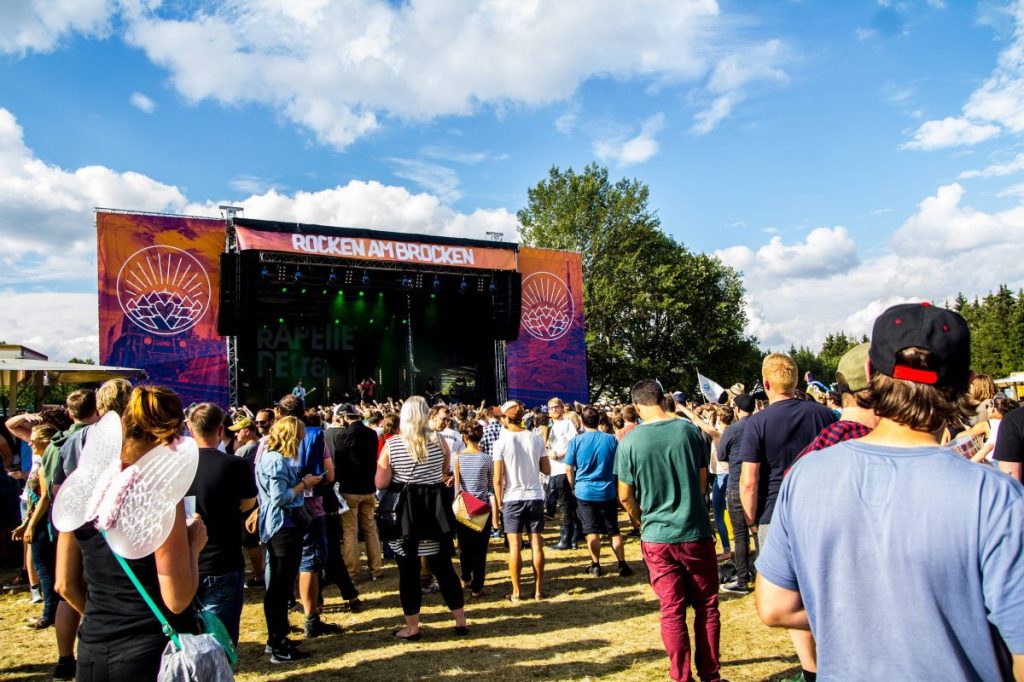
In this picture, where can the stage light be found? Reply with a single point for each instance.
(264, 273)
(332, 278)
(298, 275)
(366, 279)
(337, 321)
(303, 291)
(280, 320)
(404, 321)
(341, 294)
(371, 320)
(361, 294)
(493, 288)
(284, 290)
(437, 284)
(433, 296)
(380, 294)
(325, 292)
(464, 286)
(406, 282)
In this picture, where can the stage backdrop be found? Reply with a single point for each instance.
(550, 356)
(159, 287)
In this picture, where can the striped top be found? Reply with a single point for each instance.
(476, 473)
(405, 470)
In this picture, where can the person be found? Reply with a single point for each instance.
(354, 448)
(981, 392)
(442, 422)
(1009, 451)
(417, 461)
(590, 468)
(629, 421)
(519, 460)
(999, 406)
(728, 446)
(247, 436)
(561, 430)
(281, 491)
(225, 493)
(366, 388)
(300, 393)
(40, 438)
(474, 473)
(119, 639)
(662, 473)
(264, 420)
(826, 567)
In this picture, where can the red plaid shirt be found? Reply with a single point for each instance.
(833, 434)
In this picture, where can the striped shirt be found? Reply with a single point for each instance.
(405, 470)
(476, 474)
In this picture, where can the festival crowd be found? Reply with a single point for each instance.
(880, 521)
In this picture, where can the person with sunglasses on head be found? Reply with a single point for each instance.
(561, 430)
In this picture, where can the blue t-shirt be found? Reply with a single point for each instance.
(909, 561)
(773, 437)
(592, 454)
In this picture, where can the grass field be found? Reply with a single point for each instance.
(587, 629)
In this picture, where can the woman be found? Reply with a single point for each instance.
(999, 406)
(36, 523)
(416, 460)
(281, 492)
(474, 474)
(981, 392)
(120, 638)
(388, 429)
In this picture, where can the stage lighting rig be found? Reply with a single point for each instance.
(265, 273)
(463, 286)
(437, 283)
(332, 278)
(366, 279)
(297, 276)
(493, 288)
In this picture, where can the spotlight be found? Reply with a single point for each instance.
(332, 278)
(437, 284)
(298, 275)
(493, 288)
(265, 272)
(366, 279)
(406, 282)
(463, 286)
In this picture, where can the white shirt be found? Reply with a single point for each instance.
(560, 432)
(520, 453)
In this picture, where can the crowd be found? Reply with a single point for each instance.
(883, 520)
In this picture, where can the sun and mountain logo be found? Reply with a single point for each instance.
(548, 309)
(163, 289)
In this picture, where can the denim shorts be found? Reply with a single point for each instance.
(314, 546)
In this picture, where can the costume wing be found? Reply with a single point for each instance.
(79, 498)
(145, 513)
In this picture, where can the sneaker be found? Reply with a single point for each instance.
(286, 654)
(432, 588)
(316, 627)
(65, 668)
(35, 595)
(624, 570)
(735, 587)
(595, 570)
(253, 583)
(39, 623)
(286, 644)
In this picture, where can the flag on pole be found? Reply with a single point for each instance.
(709, 388)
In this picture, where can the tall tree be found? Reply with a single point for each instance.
(653, 308)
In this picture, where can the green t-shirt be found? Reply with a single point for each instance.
(51, 456)
(662, 461)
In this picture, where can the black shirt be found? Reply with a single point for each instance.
(113, 607)
(1010, 443)
(354, 449)
(729, 447)
(222, 481)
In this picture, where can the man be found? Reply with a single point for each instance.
(519, 459)
(225, 493)
(247, 438)
(353, 447)
(883, 603)
(365, 388)
(441, 421)
(771, 441)
(300, 392)
(590, 468)
(492, 429)
(728, 446)
(1009, 452)
(662, 477)
(629, 421)
(264, 420)
(560, 432)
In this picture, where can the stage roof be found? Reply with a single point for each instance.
(366, 233)
(70, 372)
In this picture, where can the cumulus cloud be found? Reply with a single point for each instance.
(142, 103)
(997, 169)
(628, 151)
(39, 26)
(437, 179)
(60, 324)
(797, 293)
(950, 132)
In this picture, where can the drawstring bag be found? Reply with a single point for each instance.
(189, 658)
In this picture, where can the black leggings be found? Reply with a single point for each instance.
(335, 570)
(473, 554)
(409, 590)
(285, 554)
(128, 659)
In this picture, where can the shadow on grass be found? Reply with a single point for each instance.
(28, 671)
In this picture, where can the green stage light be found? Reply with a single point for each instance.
(280, 320)
(433, 296)
(303, 291)
(361, 294)
(337, 321)
(380, 294)
(284, 290)
(325, 292)
(371, 320)
(341, 294)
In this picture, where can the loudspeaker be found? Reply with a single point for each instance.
(507, 306)
(230, 312)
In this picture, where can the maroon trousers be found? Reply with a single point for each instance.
(687, 573)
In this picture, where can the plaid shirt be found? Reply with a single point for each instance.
(491, 433)
(833, 434)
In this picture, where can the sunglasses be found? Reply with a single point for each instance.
(263, 423)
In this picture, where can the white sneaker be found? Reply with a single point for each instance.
(35, 595)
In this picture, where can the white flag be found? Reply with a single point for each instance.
(709, 388)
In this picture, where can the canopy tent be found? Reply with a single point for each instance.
(31, 373)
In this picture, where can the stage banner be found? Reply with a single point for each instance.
(550, 356)
(362, 248)
(159, 290)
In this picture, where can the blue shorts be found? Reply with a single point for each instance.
(525, 516)
(314, 546)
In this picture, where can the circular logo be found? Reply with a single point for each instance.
(547, 306)
(163, 289)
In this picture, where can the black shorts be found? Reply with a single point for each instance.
(598, 518)
(526, 516)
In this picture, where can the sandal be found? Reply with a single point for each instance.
(512, 597)
(408, 638)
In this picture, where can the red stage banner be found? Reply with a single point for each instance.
(363, 248)
(159, 291)
(550, 356)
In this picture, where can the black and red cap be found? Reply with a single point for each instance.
(921, 325)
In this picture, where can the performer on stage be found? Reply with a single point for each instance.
(300, 392)
(365, 388)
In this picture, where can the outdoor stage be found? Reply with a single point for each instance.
(237, 310)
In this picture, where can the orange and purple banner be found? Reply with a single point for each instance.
(159, 288)
(550, 356)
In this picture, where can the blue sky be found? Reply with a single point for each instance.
(842, 155)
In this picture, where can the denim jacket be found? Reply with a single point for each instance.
(275, 478)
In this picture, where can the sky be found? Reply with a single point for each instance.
(843, 155)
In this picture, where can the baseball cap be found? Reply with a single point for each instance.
(679, 397)
(243, 423)
(744, 401)
(853, 367)
(347, 410)
(509, 405)
(942, 332)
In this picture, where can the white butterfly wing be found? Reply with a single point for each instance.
(148, 510)
(79, 497)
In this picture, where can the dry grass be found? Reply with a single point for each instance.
(588, 629)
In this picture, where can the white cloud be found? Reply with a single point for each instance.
(444, 153)
(950, 132)
(251, 184)
(798, 293)
(997, 169)
(142, 103)
(630, 151)
(439, 180)
(60, 324)
(38, 26)
(728, 80)
(567, 120)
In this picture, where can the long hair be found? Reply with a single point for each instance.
(415, 428)
(153, 417)
(285, 436)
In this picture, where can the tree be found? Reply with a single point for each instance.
(652, 307)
